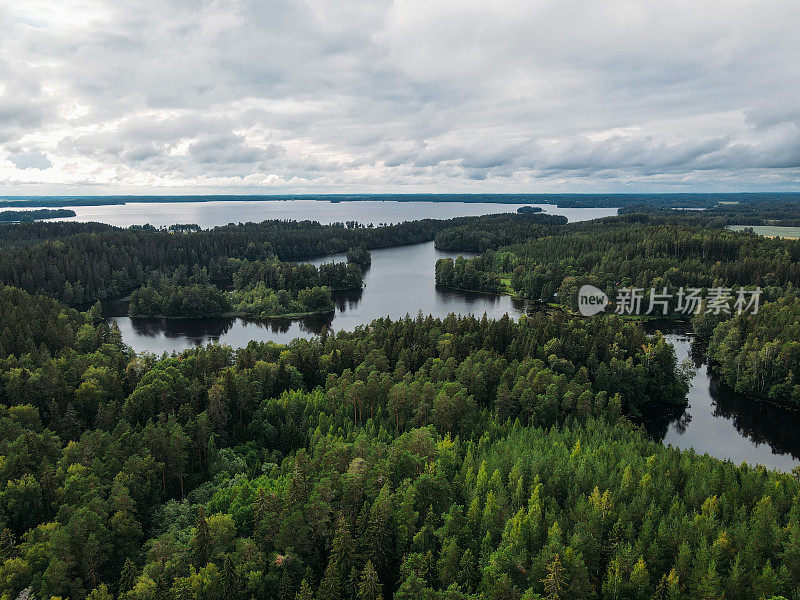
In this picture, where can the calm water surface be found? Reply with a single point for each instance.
(720, 422)
(401, 281)
(222, 212)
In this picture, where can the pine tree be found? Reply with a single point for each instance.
(369, 588)
(182, 590)
(285, 587)
(305, 592)
(468, 570)
(127, 578)
(201, 544)
(335, 577)
(230, 578)
(554, 581)
(640, 579)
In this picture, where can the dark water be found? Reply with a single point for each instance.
(399, 282)
(722, 423)
(211, 214)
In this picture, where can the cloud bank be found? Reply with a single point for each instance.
(411, 95)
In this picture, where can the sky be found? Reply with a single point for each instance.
(238, 96)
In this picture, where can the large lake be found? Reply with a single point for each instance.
(401, 281)
(211, 214)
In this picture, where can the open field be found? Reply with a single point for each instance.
(770, 230)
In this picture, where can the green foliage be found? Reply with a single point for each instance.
(632, 251)
(259, 301)
(493, 231)
(467, 274)
(28, 216)
(442, 459)
(759, 354)
(81, 263)
(180, 295)
(359, 256)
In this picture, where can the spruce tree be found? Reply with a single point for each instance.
(201, 543)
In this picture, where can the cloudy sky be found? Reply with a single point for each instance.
(176, 96)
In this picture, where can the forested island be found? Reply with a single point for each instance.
(439, 459)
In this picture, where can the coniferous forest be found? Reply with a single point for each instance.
(420, 458)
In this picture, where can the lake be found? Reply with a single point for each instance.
(401, 281)
(722, 423)
(222, 212)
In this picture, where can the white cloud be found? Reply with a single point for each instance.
(360, 95)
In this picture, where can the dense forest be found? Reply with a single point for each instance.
(360, 256)
(260, 289)
(99, 262)
(759, 355)
(492, 231)
(755, 354)
(28, 234)
(773, 210)
(28, 216)
(632, 251)
(421, 458)
(179, 295)
(436, 459)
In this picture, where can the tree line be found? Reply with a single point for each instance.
(83, 263)
(755, 354)
(633, 251)
(259, 289)
(28, 216)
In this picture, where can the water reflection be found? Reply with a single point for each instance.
(172, 335)
(400, 282)
(724, 424)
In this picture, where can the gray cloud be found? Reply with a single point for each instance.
(549, 95)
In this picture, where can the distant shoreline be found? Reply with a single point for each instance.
(30, 216)
(675, 200)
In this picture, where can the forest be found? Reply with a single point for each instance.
(83, 263)
(439, 459)
(259, 289)
(634, 251)
(756, 355)
(759, 355)
(28, 216)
